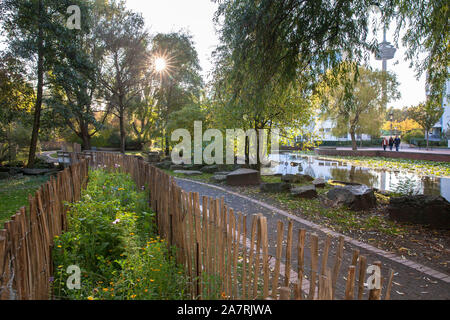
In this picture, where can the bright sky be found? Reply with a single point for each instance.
(196, 17)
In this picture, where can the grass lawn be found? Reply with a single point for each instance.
(14, 194)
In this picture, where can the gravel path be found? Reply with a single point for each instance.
(409, 282)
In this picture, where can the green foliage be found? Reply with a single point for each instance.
(180, 83)
(413, 134)
(354, 99)
(426, 114)
(427, 31)
(14, 194)
(111, 238)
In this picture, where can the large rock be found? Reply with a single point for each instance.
(210, 169)
(306, 192)
(427, 210)
(275, 187)
(38, 172)
(222, 173)
(296, 178)
(153, 157)
(355, 197)
(177, 167)
(196, 167)
(189, 172)
(164, 165)
(319, 183)
(243, 177)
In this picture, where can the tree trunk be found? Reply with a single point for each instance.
(84, 135)
(167, 151)
(428, 133)
(40, 88)
(122, 130)
(354, 143)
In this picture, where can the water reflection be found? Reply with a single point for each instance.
(342, 171)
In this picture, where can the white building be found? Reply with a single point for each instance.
(324, 130)
(444, 124)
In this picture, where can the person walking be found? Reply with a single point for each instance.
(391, 143)
(384, 143)
(397, 142)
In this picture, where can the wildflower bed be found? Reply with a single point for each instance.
(112, 239)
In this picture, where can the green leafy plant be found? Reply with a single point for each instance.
(112, 238)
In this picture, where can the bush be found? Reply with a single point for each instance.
(414, 134)
(112, 238)
(365, 143)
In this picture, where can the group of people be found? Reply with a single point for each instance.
(391, 143)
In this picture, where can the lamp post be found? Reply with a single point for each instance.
(391, 118)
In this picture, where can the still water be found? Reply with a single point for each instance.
(291, 163)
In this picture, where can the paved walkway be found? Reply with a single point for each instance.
(411, 281)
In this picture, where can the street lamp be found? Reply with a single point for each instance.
(391, 118)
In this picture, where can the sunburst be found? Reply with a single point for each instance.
(162, 64)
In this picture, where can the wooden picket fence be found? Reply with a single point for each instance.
(26, 242)
(225, 254)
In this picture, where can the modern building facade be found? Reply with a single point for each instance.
(444, 124)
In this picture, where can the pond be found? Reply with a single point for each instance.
(291, 163)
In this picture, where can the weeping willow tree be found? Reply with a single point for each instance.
(355, 100)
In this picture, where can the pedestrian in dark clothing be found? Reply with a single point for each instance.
(391, 143)
(385, 143)
(397, 142)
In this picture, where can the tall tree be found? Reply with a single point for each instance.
(273, 52)
(143, 113)
(16, 103)
(180, 80)
(75, 92)
(427, 115)
(36, 30)
(355, 101)
(127, 62)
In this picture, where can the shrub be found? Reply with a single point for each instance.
(111, 238)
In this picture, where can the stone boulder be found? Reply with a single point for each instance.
(420, 209)
(219, 178)
(177, 167)
(296, 178)
(355, 197)
(243, 177)
(189, 172)
(38, 172)
(196, 167)
(164, 165)
(210, 169)
(275, 187)
(319, 183)
(153, 157)
(306, 192)
(222, 173)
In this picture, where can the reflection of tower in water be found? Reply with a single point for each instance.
(383, 180)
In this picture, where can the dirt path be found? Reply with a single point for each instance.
(411, 281)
